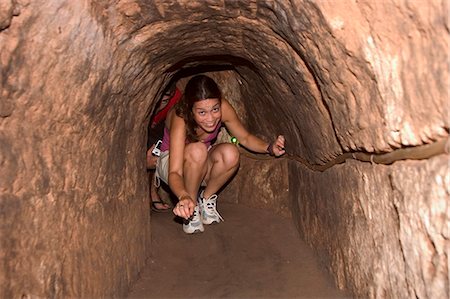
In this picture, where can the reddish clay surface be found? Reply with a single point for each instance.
(253, 254)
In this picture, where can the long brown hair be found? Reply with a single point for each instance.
(198, 88)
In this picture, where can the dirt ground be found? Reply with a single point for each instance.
(253, 254)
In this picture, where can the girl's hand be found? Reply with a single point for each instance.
(277, 148)
(185, 207)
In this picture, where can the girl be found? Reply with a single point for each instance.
(191, 128)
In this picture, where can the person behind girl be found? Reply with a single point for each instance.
(196, 169)
(155, 132)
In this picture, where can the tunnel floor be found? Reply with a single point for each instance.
(253, 254)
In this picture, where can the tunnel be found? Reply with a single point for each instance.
(359, 89)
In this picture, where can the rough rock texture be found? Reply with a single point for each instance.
(384, 228)
(78, 83)
(74, 212)
(262, 184)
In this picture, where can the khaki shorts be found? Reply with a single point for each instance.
(162, 169)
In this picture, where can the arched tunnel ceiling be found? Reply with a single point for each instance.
(333, 82)
(328, 92)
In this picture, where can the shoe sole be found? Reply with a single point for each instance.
(194, 232)
(196, 229)
(212, 222)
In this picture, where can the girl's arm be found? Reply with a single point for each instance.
(248, 140)
(176, 160)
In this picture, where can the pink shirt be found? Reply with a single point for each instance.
(208, 141)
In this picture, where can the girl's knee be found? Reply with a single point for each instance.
(196, 152)
(230, 155)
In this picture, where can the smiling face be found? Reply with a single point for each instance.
(200, 107)
(207, 114)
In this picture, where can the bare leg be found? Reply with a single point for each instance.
(154, 196)
(195, 167)
(223, 162)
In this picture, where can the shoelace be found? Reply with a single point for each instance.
(187, 221)
(210, 204)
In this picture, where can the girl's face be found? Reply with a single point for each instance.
(207, 114)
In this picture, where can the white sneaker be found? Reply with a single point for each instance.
(194, 224)
(208, 209)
